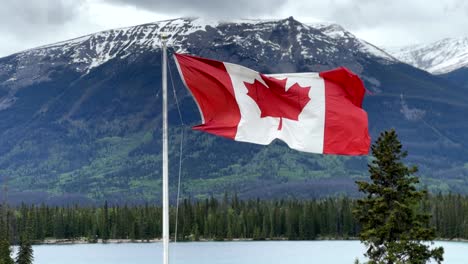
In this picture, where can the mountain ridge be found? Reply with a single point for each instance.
(439, 57)
(172, 27)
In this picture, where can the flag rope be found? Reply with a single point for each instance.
(180, 153)
(176, 98)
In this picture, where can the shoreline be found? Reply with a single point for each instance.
(53, 241)
(79, 241)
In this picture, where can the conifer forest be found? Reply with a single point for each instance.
(217, 219)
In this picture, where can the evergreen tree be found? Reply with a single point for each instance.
(5, 252)
(5, 249)
(25, 253)
(392, 227)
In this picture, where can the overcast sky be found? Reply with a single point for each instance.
(29, 23)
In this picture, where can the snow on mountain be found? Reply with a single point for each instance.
(88, 52)
(337, 32)
(439, 57)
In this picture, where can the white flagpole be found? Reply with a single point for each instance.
(165, 158)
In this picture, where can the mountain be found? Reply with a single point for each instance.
(439, 57)
(80, 119)
(447, 58)
(458, 77)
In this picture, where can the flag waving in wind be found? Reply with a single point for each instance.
(311, 112)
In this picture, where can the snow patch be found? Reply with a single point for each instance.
(439, 57)
(7, 102)
(338, 33)
(411, 114)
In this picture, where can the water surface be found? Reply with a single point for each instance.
(265, 252)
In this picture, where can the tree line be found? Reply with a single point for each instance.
(217, 219)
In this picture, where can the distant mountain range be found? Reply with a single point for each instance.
(447, 58)
(439, 57)
(80, 119)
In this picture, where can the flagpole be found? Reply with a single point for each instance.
(165, 159)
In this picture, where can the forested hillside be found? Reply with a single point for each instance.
(80, 120)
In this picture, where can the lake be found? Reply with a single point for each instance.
(262, 252)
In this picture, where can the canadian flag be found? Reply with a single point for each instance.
(311, 112)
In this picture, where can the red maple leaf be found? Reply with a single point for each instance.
(274, 101)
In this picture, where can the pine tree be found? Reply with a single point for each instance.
(5, 249)
(5, 252)
(392, 227)
(25, 253)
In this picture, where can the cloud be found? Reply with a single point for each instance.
(30, 23)
(23, 22)
(27, 24)
(210, 8)
(32, 14)
(393, 22)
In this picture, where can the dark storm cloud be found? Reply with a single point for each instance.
(211, 8)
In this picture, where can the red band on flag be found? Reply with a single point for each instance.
(346, 130)
(211, 86)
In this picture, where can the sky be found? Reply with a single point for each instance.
(27, 24)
